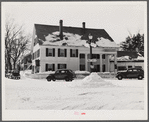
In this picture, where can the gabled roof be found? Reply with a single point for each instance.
(44, 30)
(49, 31)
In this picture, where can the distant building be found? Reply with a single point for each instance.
(56, 47)
(126, 59)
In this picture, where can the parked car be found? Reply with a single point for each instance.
(62, 74)
(13, 74)
(131, 73)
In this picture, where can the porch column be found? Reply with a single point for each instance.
(108, 64)
(115, 63)
(100, 62)
(86, 63)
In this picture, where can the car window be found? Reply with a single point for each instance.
(130, 70)
(57, 72)
(63, 71)
(135, 70)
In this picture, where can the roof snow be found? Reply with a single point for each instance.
(127, 58)
(75, 40)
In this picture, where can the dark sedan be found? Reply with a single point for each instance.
(131, 73)
(62, 74)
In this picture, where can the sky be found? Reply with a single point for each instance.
(119, 19)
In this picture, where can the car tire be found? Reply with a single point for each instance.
(66, 79)
(140, 77)
(48, 79)
(120, 77)
(53, 79)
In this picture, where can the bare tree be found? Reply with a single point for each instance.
(16, 43)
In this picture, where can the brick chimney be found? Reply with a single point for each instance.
(61, 29)
(83, 26)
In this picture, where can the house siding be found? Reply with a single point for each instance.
(72, 63)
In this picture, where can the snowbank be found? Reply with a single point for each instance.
(92, 81)
(82, 72)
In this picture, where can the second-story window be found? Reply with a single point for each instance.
(73, 52)
(62, 52)
(50, 52)
(82, 56)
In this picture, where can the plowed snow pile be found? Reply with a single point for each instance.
(93, 80)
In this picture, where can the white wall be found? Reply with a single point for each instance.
(72, 62)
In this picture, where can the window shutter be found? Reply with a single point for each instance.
(46, 67)
(53, 67)
(58, 66)
(65, 52)
(65, 66)
(97, 56)
(46, 51)
(70, 52)
(53, 52)
(98, 68)
(58, 52)
(76, 52)
(115, 66)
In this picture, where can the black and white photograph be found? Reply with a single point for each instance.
(74, 60)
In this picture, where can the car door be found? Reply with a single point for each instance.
(63, 74)
(58, 75)
(129, 73)
(135, 73)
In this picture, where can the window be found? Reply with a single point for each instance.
(96, 68)
(95, 56)
(73, 52)
(135, 70)
(62, 52)
(130, 70)
(82, 56)
(50, 52)
(82, 67)
(62, 66)
(104, 68)
(50, 67)
(103, 56)
(129, 67)
(122, 68)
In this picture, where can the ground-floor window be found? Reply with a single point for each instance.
(82, 67)
(96, 68)
(129, 67)
(37, 69)
(50, 67)
(104, 68)
(62, 66)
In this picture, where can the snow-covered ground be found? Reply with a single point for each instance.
(90, 93)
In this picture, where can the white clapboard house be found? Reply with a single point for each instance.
(57, 47)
